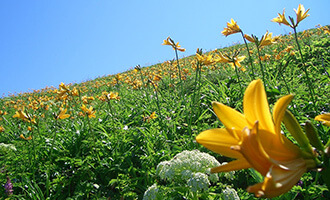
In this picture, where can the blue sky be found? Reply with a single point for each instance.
(44, 43)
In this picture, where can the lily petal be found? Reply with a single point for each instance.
(277, 182)
(220, 141)
(256, 106)
(232, 166)
(324, 118)
(253, 150)
(279, 111)
(229, 117)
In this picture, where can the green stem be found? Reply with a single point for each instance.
(158, 106)
(261, 66)
(309, 83)
(250, 59)
(177, 60)
(238, 79)
(109, 106)
(35, 156)
(196, 90)
(146, 90)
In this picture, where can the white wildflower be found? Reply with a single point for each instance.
(199, 182)
(184, 162)
(151, 193)
(230, 194)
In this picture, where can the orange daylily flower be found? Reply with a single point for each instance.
(254, 139)
(62, 114)
(21, 114)
(324, 118)
(231, 28)
(24, 138)
(89, 111)
(301, 14)
(25, 117)
(176, 46)
(281, 19)
(265, 40)
(232, 61)
(205, 59)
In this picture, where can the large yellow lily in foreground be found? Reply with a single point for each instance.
(254, 139)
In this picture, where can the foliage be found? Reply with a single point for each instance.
(109, 146)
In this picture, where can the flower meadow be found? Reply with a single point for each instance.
(242, 122)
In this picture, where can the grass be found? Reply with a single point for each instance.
(114, 155)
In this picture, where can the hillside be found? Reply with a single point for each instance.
(105, 138)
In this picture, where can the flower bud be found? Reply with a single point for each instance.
(313, 136)
(295, 130)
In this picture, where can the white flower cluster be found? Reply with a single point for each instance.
(198, 182)
(230, 194)
(151, 193)
(5, 147)
(192, 167)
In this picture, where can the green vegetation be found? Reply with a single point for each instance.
(131, 122)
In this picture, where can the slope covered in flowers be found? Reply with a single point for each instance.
(104, 138)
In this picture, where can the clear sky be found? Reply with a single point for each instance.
(44, 43)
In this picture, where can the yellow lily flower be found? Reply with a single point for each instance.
(231, 28)
(205, 59)
(326, 30)
(21, 114)
(254, 139)
(113, 95)
(281, 19)
(249, 38)
(24, 138)
(266, 39)
(176, 46)
(63, 114)
(324, 118)
(233, 61)
(25, 117)
(89, 111)
(301, 14)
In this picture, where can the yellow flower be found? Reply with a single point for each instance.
(254, 139)
(21, 114)
(109, 96)
(249, 38)
(2, 129)
(301, 14)
(153, 115)
(326, 30)
(231, 28)
(113, 96)
(233, 61)
(205, 59)
(75, 92)
(63, 114)
(324, 118)
(89, 111)
(281, 19)
(24, 138)
(265, 40)
(64, 87)
(176, 46)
